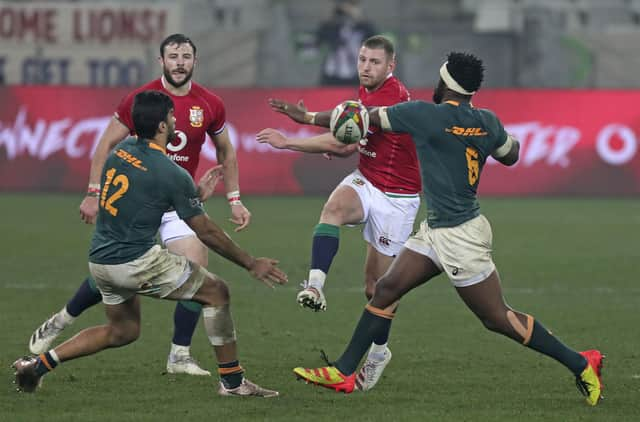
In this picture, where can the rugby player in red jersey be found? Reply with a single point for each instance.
(382, 194)
(126, 262)
(453, 140)
(198, 112)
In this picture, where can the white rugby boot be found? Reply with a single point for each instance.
(371, 371)
(181, 362)
(44, 335)
(311, 297)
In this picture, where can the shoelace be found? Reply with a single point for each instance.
(583, 386)
(369, 367)
(185, 359)
(325, 358)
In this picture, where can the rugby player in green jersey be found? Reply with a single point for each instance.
(453, 140)
(198, 112)
(139, 184)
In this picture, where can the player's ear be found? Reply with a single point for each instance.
(392, 65)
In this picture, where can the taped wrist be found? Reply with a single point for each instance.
(310, 118)
(93, 190)
(234, 198)
(218, 324)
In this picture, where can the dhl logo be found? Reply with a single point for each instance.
(466, 131)
(134, 161)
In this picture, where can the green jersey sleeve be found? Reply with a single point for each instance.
(408, 117)
(184, 196)
(494, 126)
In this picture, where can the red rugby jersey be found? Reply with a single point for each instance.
(388, 159)
(197, 113)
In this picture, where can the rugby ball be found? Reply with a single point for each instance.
(349, 122)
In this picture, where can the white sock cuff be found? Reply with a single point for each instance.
(65, 316)
(317, 278)
(177, 349)
(378, 348)
(54, 356)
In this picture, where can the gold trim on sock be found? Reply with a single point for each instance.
(229, 371)
(44, 360)
(379, 312)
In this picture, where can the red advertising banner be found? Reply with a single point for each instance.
(573, 142)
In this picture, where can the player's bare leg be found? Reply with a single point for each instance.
(342, 207)
(86, 296)
(407, 271)
(220, 329)
(375, 265)
(187, 313)
(485, 299)
(123, 327)
(191, 247)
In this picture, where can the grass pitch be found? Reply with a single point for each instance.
(572, 263)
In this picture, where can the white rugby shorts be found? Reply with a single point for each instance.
(388, 218)
(158, 273)
(173, 228)
(463, 252)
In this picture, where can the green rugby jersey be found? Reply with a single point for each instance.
(139, 184)
(453, 142)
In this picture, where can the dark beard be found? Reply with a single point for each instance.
(172, 82)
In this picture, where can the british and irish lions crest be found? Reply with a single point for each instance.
(196, 116)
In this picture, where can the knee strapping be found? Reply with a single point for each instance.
(219, 324)
(524, 331)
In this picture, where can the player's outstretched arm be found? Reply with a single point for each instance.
(226, 154)
(323, 143)
(299, 113)
(263, 269)
(114, 133)
(509, 152)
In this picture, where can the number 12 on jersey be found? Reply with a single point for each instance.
(107, 201)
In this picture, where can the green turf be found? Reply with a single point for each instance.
(568, 262)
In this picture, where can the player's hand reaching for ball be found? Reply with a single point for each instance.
(272, 137)
(295, 111)
(266, 270)
(89, 209)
